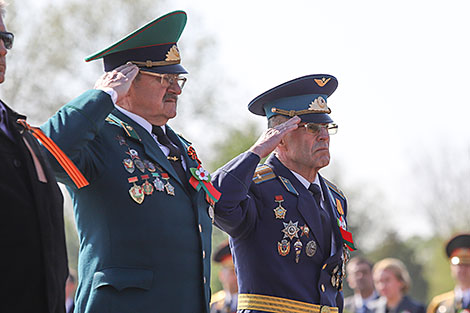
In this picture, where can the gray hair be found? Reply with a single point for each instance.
(274, 120)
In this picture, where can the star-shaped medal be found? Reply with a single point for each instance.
(290, 230)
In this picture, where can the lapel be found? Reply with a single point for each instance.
(149, 144)
(331, 206)
(305, 201)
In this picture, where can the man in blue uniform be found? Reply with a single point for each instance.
(287, 224)
(143, 221)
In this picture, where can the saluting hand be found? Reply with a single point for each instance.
(271, 138)
(119, 79)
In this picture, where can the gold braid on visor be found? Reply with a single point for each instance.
(292, 113)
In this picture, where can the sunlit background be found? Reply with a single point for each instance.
(402, 153)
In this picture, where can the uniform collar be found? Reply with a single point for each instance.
(306, 183)
(139, 120)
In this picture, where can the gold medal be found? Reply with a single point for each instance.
(279, 212)
(136, 192)
(147, 187)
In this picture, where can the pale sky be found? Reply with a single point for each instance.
(403, 70)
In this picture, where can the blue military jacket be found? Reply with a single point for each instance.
(280, 256)
(133, 257)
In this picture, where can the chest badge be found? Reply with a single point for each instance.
(159, 185)
(136, 192)
(168, 187)
(279, 212)
(291, 230)
(311, 248)
(128, 165)
(283, 247)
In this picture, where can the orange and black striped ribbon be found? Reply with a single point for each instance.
(67, 164)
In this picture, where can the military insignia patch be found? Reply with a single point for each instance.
(322, 82)
(279, 212)
(128, 165)
(283, 247)
(339, 207)
(263, 173)
(311, 248)
(288, 185)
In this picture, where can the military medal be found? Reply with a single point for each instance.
(279, 212)
(290, 230)
(298, 250)
(147, 187)
(149, 166)
(283, 247)
(139, 164)
(136, 192)
(159, 185)
(311, 248)
(128, 165)
(168, 187)
(210, 211)
(133, 153)
(305, 230)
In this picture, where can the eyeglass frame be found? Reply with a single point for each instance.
(7, 39)
(169, 80)
(331, 128)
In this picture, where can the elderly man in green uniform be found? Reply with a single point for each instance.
(457, 300)
(144, 219)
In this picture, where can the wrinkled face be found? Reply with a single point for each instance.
(387, 284)
(461, 274)
(308, 150)
(359, 276)
(153, 100)
(3, 53)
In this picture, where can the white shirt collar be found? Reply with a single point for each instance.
(306, 183)
(462, 294)
(139, 120)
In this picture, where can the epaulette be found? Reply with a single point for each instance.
(128, 129)
(218, 296)
(263, 173)
(186, 141)
(334, 188)
(437, 300)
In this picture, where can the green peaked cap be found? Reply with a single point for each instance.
(152, 47)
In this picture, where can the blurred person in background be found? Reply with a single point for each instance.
(32, 238)
(392, 281)
(457, 300)
(359, 278)
(70, 287)
(225, 301)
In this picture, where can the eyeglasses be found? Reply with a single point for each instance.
(168, 79)
(7, 39)
(315, 128)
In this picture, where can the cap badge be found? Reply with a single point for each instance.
(173, 55)
(322, 82)
(319, 105)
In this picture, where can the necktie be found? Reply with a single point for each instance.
(174, 156)
(324, 216)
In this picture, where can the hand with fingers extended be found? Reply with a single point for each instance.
(119, 79)
(271, 138)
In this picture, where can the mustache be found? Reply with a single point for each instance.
(170, 96)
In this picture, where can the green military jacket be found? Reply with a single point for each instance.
(145, 240)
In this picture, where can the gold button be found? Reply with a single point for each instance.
(200, 228)
(203, 254)
(205, 280)
(322, 287)
(324, 266)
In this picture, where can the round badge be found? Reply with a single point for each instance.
(311, 248)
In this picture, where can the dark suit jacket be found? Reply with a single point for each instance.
(32, 240)
(406, 305)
